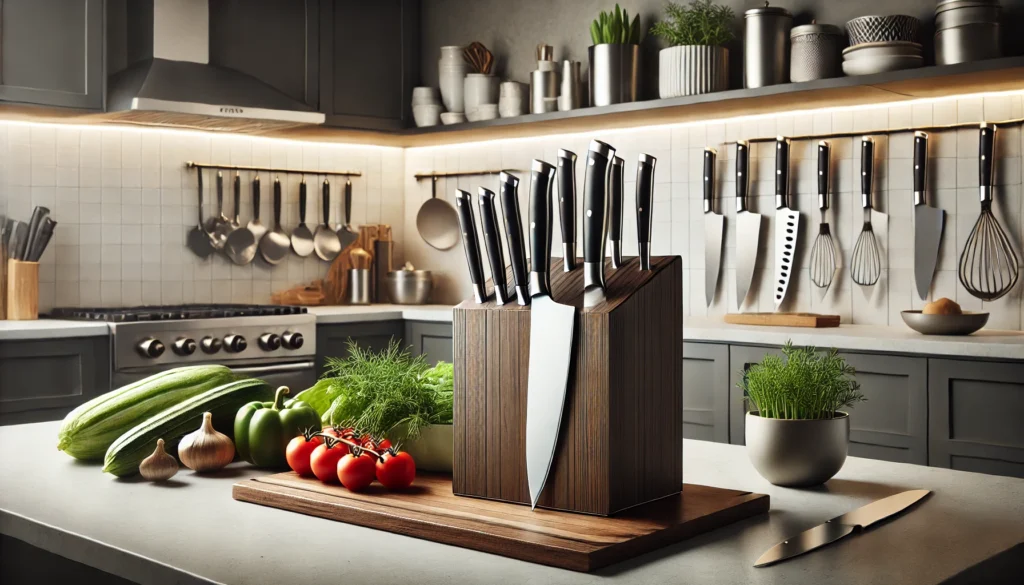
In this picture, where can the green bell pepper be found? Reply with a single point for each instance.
(263, 429)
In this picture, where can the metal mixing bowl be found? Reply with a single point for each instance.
(964, 324)
(409, 287)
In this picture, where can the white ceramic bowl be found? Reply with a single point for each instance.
(510, 107)
(427, 114)
(448, 118)
(881, 64)
(425, 95)
(483, 112)
(886, 49)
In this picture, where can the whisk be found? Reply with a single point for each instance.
(823, 253)
(988, 264)
(866, 264)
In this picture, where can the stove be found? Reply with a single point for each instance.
(272, 342)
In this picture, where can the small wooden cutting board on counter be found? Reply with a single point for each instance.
(783, 319)
(577, 542)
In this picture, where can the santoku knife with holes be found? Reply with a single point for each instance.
(748, 227)
(566, 173)
(644, 203)
(615, 188)
(787, 224)
(492, 241)
(928, 221)
(551, 332)
(464, 207)
(595, 220)
(714, 228)
(508, 191)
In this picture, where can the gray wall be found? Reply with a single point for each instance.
(511, 29)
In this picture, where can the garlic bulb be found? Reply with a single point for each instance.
(159, 466)
(206, 449)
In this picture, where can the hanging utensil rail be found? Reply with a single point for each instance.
(195, 165)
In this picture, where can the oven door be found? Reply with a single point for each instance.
(295, 375)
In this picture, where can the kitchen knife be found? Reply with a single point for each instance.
(595, 219)
(567, 207)
(714, 227)
(508, 190)
(840, 527)
(492, 241)
(748, 226)
(615, 189)
(42, 239)
(551, 332)
(19, 240)
(464, 207)
(928, 221)
(644, 204)
(787, 223)
(39, 214)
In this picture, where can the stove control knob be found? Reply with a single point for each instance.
(292, 340)
(151, 348)
(235, 343)
(270, 341)
(184, 346)
(210, 344)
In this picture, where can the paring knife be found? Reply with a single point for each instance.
(464, 207)
(787, 223)
(492, 241)
(714, 228)
(551, 332)
(567, 206)
(644, 203)
(748, 227)
(928, 221)
(615, 188)
(508, 190)
(595, 220)
(840, 527)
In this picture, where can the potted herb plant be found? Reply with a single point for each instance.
(796, 432)
(614, 58)
(695, 61)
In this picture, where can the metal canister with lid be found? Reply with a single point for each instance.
(766, 46)
(815, 52)
(967, 30)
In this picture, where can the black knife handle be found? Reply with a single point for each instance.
(920, 164)
(986, 150)
(199, 174)
(237, 194)
(302, 202)
(464, 207)
(742, 177)
(615, 199)
(327, 202)
(220, 192)
(867, 163)
(567, 196)
(348, 202)
(781, 172)
(542, 177)
(277, 203)
(824, 160)
(709, 179)
(644, 204)
(595, 202)
(492, 241)
(508, 191)
(256, 197)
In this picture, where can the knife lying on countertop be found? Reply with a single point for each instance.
(566, 172)
(508, 190)
(595, 220)
(464, 207)
(644, 203)
(615, 188)
(492, 241)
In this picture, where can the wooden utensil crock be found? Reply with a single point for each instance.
(22, 290)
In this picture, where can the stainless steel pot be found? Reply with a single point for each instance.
(614, 74)
(766, 46)
(950, 13)
(970, 42)
(409, 287)
(816, 52)
(797, 453)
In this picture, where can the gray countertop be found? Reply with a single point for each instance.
(192, 531)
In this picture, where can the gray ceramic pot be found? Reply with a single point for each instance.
(797, 453)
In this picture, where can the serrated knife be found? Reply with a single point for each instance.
(714, 229)
(464, 207)
(787, 224)
(840, 527)
(551, 332)
(595, 220)
(928, 222)
(748, 227)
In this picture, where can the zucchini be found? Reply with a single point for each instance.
(90, 429)
(125, 454)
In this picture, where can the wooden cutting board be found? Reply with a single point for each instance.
(783, 319)
(578, 542)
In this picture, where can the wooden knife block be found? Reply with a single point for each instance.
(621, 438)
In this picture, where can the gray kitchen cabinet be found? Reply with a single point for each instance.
(369, 62)
(974, 418)
(432, 340)
(332, 340)
(52, 52)
(45, 379)
(706, 392)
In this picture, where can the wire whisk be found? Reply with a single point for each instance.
(866, 264)
(823, 253)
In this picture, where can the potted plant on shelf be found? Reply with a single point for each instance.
(695, 61)
(796, 433)
(614, 58)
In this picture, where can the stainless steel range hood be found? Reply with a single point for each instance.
(175, 84)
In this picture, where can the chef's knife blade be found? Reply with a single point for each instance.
(551, 332)
(928, 222)
(748, 227)
(42, 239)
(840, 527)
(464, 207)
(714, 228)
(615, 189)
(19, 240)
(492, 241)
(595, 220)
(567, 207)
(39, 214)
(787, 223)
(644, 204)
(508, 190)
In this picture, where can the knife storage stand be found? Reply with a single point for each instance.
(621, 436)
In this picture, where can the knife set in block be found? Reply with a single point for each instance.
(568, 390)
